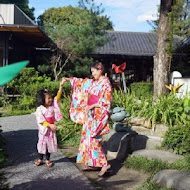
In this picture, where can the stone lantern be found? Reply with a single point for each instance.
(119, 116)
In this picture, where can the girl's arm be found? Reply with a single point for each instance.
(60, 88)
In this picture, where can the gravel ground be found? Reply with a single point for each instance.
(21, 134)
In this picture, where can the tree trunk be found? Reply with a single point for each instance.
(162, 59)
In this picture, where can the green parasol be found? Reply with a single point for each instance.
(7, 73)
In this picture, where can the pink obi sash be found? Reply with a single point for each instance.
(93, 99)
(50, 120)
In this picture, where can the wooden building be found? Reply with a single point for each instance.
(137, 49)
(20, 37)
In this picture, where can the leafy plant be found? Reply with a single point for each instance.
(142, 89)
(27, 84)
(69, 132)
(178, 139)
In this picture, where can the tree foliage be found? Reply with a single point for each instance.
(181, 18)
(77, 31)
(23, 5)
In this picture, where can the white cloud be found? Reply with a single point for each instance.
(147, 16)
(126, 14)
(118, 3)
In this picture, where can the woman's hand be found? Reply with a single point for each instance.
(62, 82)
(92, 106)
(66, 79)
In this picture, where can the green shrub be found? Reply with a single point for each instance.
(178, 139)
(142, 89)
(27, 84)
(69, 133)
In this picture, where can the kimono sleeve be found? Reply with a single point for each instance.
(79, 98)
(106, 98)
(40, 119)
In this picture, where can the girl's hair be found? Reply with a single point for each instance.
(99, 66)
(41, 96)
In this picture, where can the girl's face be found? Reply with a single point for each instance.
(96, 73)
(48, 100)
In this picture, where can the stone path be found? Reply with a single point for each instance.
(21, 134)
(120, 178)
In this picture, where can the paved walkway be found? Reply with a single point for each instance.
(21, 134)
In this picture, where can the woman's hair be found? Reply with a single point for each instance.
(41, 96)
(99, 66)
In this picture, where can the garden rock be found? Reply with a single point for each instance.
(178, 180)
(158, 154)
(140, 125)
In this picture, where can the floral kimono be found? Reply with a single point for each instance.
(47, 137)
(95, 123)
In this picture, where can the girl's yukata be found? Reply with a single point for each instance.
(95, 123)
(47, 141)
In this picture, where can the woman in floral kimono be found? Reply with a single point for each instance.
(90, 106)
(46, 114)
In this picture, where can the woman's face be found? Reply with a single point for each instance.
(96, 73)
(48, 100)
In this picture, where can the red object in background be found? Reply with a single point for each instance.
(120, 68)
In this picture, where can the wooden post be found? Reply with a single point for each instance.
(124, 83)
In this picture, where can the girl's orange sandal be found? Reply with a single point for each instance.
(38, 163)
(48, 163)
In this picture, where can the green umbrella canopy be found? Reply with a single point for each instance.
(7, 73)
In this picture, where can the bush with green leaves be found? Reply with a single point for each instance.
(28, 84)
(178, 139)
(142, 89)
(166, 109)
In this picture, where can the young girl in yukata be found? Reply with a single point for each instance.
(46, 115)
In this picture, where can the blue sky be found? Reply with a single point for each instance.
(126, 15)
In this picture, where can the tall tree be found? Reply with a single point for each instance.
(77, 31)
(23, 5)
(162, 59)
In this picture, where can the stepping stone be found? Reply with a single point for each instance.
(158, 130)
(178, 180)
(159, 155)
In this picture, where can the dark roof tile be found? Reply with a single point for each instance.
(130, 43)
